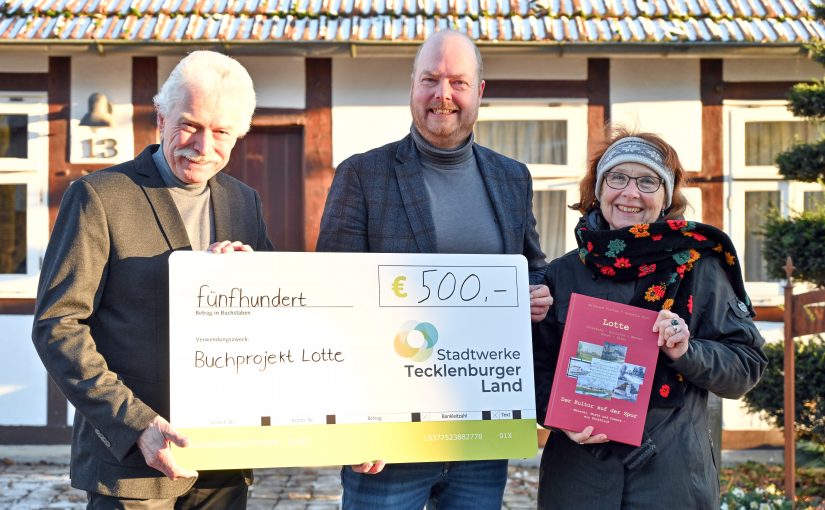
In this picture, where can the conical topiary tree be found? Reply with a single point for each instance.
(802, 236)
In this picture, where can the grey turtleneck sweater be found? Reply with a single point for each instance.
(465, 221)
(193, 202)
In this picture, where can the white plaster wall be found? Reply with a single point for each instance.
(534, 67)
(771, 69)
(33, 172)
(370, 96)
(371, 81)
(734, 414)
(112, 76)
(165, 66)
(279, 81)
(370, 103)
(663, 97)
(694, 198)
(15, 62)
(23, 393)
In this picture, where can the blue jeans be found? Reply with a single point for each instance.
(472, 485)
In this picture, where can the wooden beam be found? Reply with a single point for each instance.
(61, 171)
(16, 306)
(60, 83)
(757, 90)
(144, 88)
(277, 117)
(532, 89)
(710, 88)
(35, 435)
(23, 82)
(810, 316)
(57, 412)
(713, 203)
(709, 178)
(318, 169)
(768, 313)
(598, 101)
(789, 370)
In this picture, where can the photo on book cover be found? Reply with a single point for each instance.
(577, 367)
(614, 352)
(631, 378)
(588, 351)
(600, 371)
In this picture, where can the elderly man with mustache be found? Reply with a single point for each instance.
(101, 322)
(435, 191)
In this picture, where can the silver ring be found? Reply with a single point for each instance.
(676, 329)
(674, 322)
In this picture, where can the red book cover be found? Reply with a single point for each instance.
(605, 369)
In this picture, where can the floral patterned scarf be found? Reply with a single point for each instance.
(661, 257)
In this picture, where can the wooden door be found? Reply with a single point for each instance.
(270, 160)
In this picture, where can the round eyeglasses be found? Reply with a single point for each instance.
(645, 183)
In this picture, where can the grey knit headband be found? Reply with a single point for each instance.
(636, 150)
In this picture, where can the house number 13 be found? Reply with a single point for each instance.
(101, 148)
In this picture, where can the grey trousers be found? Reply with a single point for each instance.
(217, 490)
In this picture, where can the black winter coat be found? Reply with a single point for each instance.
(724, 356)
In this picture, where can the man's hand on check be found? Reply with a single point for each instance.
(540, 301)
(369, 468)
(154, 445)
(228, 247)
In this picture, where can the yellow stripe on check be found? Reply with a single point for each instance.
(322, 445)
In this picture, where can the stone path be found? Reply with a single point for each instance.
(33, 485)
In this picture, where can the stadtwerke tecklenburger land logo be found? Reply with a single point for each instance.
(416, 340)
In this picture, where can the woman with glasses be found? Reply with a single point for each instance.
(636, 248)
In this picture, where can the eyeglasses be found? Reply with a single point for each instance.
(645, 183)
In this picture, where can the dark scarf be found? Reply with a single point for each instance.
(661, 257)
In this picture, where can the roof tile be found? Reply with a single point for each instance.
(564, 21)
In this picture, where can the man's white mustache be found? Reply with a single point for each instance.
(196, 157)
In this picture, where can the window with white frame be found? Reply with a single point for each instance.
(23, 183)
(758, 132)
(813, 200)
(808, 197)
(554, 220)
(765, 139)
(14, 143)
(551, 139)
(757, 205)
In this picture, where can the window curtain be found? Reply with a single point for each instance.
(13, 136)
(12, 228)
(813, 200)
(550, 210)
(535, 142)
(764, 140)
(757, 205)
(538, 142)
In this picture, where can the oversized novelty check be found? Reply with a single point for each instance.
(298, 359)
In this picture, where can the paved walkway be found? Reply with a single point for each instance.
(35, 478)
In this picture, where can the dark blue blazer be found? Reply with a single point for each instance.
(378, 203)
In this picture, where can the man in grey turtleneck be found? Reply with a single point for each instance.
(435, 191)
